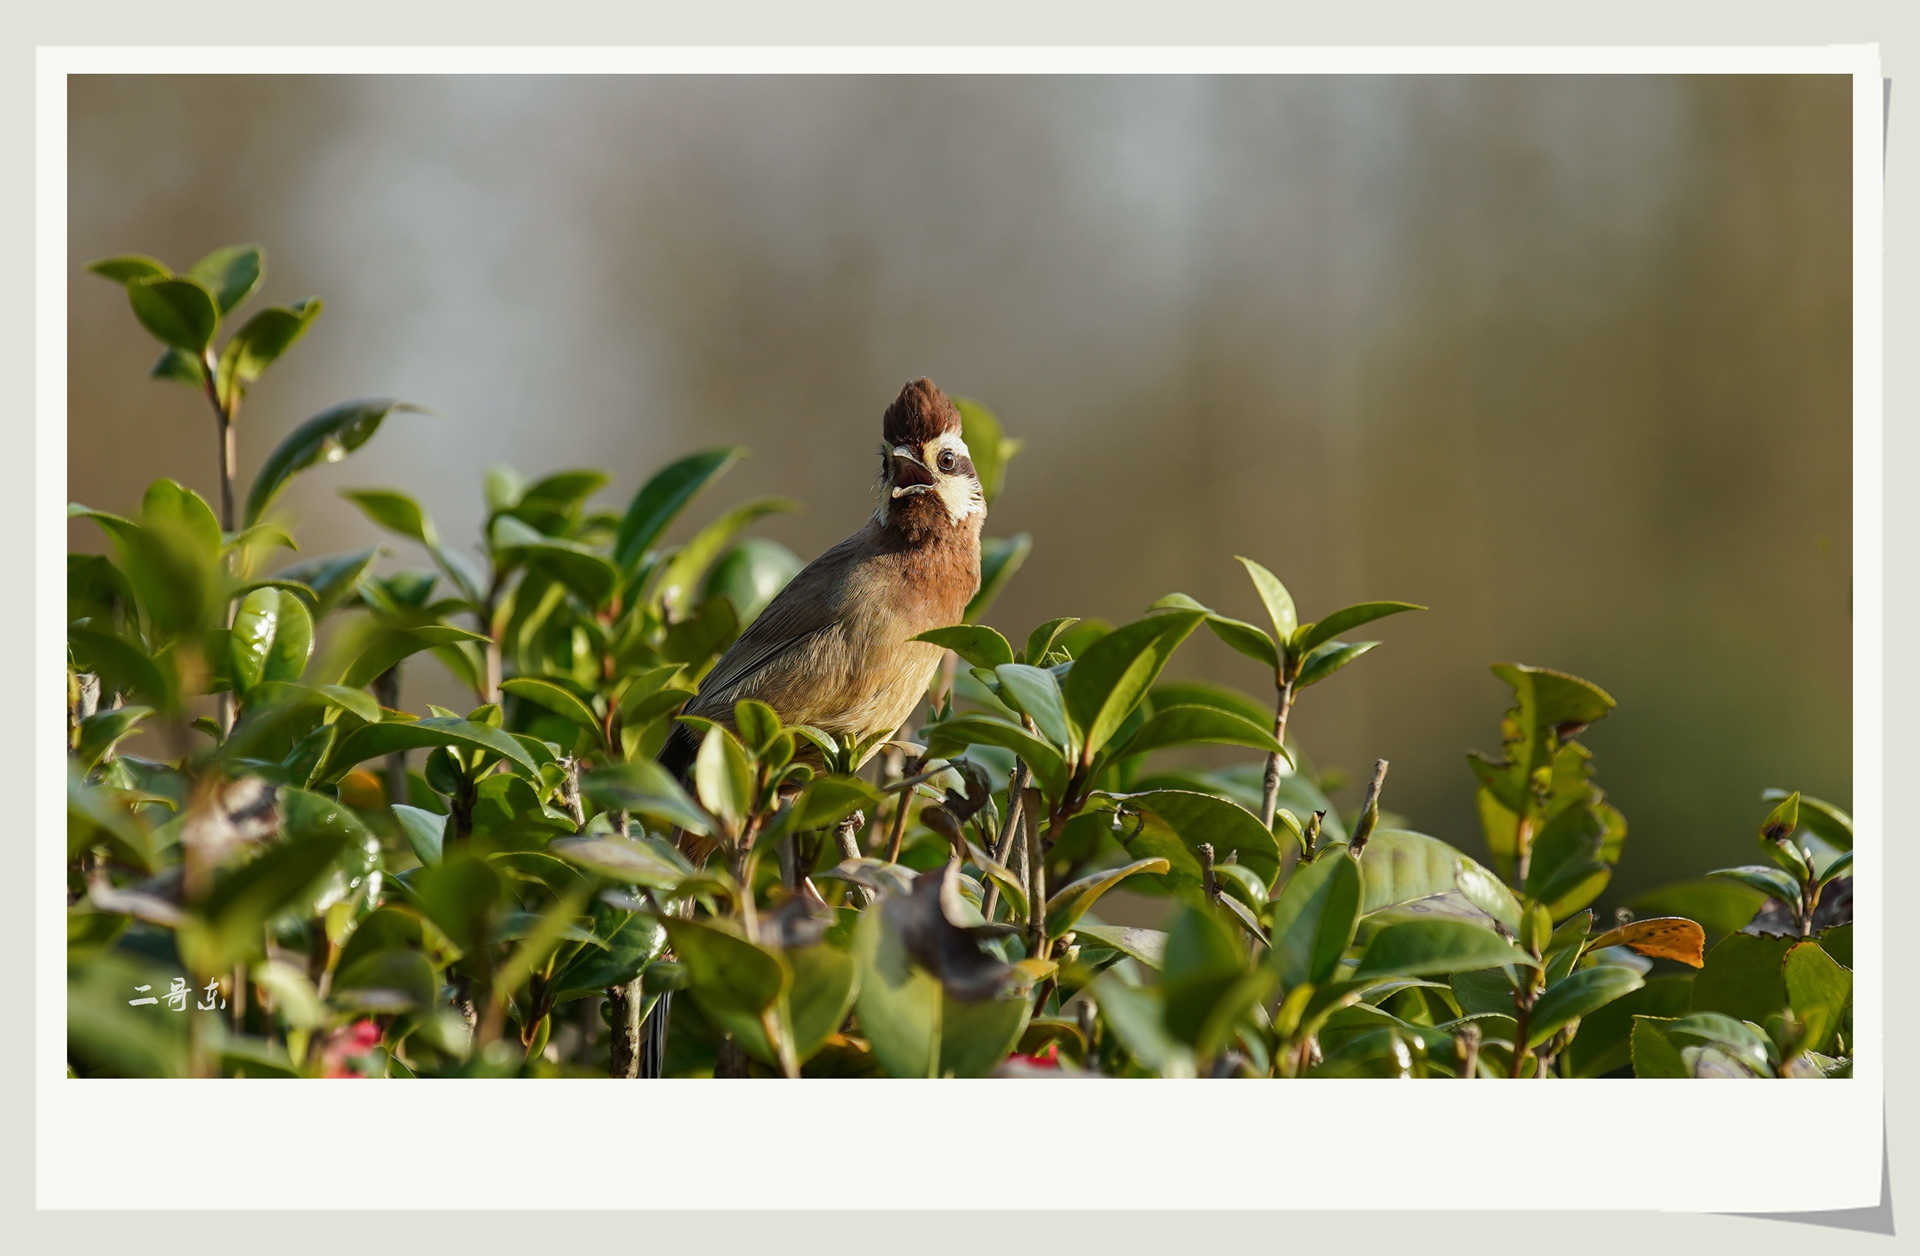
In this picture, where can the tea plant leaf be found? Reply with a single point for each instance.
(976, 643)
(326, 437)
(176, 312)
(1314, 635)
(1430, 947)
(1819, 990)
(1329, 658)
(425, 832)
(1579, 995)
(1035, 693)
(128, 267)
(230, 274)
(559, 700)
(1314, 919)
(1247, 639)
(375, 740)
(1770, 881)
(1041, 641)
(647, 788)
(1111, 678)
(661, 499)
(1187, 725)
(1145, 946)
(1072, 902)
(1273, 596)
(227, 927)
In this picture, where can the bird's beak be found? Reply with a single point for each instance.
(910, 475)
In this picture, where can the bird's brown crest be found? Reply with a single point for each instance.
(920, 413)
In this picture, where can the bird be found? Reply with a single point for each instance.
(835, 648)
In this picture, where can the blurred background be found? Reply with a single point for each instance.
(1566, 359)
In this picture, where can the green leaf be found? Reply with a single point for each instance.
(375, 740)
(128, 267)
(1145, 946)
(826, 981)
(103, 730)
(332, 578)
(1418, 948)
(1042, 640)
(226, 928)
(914, 1027)
(264, 337)
(1035, 693)
(738, 985)
(1349, 618)
(981, 730)
(1770, 881)
(181, 368)
(1137, 1019)
(271, 639)
(829, 799)
(1654, 1055)
(177, 312)
(1111, 678)
(1072, 901)
(1400, 865)
(327, 437)
(1314, 918)
(1247, 639)
(394, 511)
(556, 699)
(1604, 1042)
(988, 446)
(1273, 596)
(169, 504)
(230, 274)
(425, 832)
(680, 576)
(1185, 820)
(591, 577)
(1743, 978)
(1821, 818)
(648, 789)
(1819, 990)
(1000, 557)
(662, 498)
(1580, 994)
(723, 778)
(122, 668)
(636, 941)
(385, 982)
(1186, 725)
(359, 659)
(1782, 820)
(1328, 659)
(461, 895)
(976, 643)
(619, 859)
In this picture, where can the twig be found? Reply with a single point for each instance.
(1369, 809)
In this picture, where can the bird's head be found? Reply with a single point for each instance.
(927, 480)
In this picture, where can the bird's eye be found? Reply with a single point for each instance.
(947, 460)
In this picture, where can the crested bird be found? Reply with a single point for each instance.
(835, 649)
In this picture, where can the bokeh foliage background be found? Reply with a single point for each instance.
(1567, 360)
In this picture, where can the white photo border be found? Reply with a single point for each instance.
(132, 1144)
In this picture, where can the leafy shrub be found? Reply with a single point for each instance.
(295, 895)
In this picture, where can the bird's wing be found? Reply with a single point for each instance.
(810, 604)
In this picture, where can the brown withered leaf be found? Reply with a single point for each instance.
(1662, 937)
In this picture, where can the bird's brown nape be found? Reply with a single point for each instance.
(920, 413)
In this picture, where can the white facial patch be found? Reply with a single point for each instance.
(960, 494)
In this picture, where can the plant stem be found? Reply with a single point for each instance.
(1207, 878)
(1016, 800)
(908, 773)
(1369, 809)
(1270, 795)
(386, 691)
(623, 1051)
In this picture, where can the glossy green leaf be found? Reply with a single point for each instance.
(1743, 978)
(1654, 1055)
(1314, 918)
(826, 981)
(1043, 640)
(271, 639)
(375, 740)
(1186, 820)
(230, 274)
(829, 799)
(1072, 901)
(394, 511)
(103, 730)
(980, 730)
(1771, 881)
(169, 503)
(1399, 865)
(1348, 618)
(646, 788)
(662, 498)
(738, 985)
(723, 778)
(1188, 725)
(619, 859)
(1247, 639)
(327, 437)
(181, 368)
(425, 832)
(128, 267)
(1819, 990)
(978, 644)
(554, 698)
(1135, 1015)
(121, 667)
(680, 576)
(177, 312)
(1328, 659)
(1035, 693)
(1115, 673)
(1580, 994)
(332, 578)
(1000, 558)
(1431, 947)
(1821, 818)
(264, 337)
(1273, 596)
(1145, 946)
